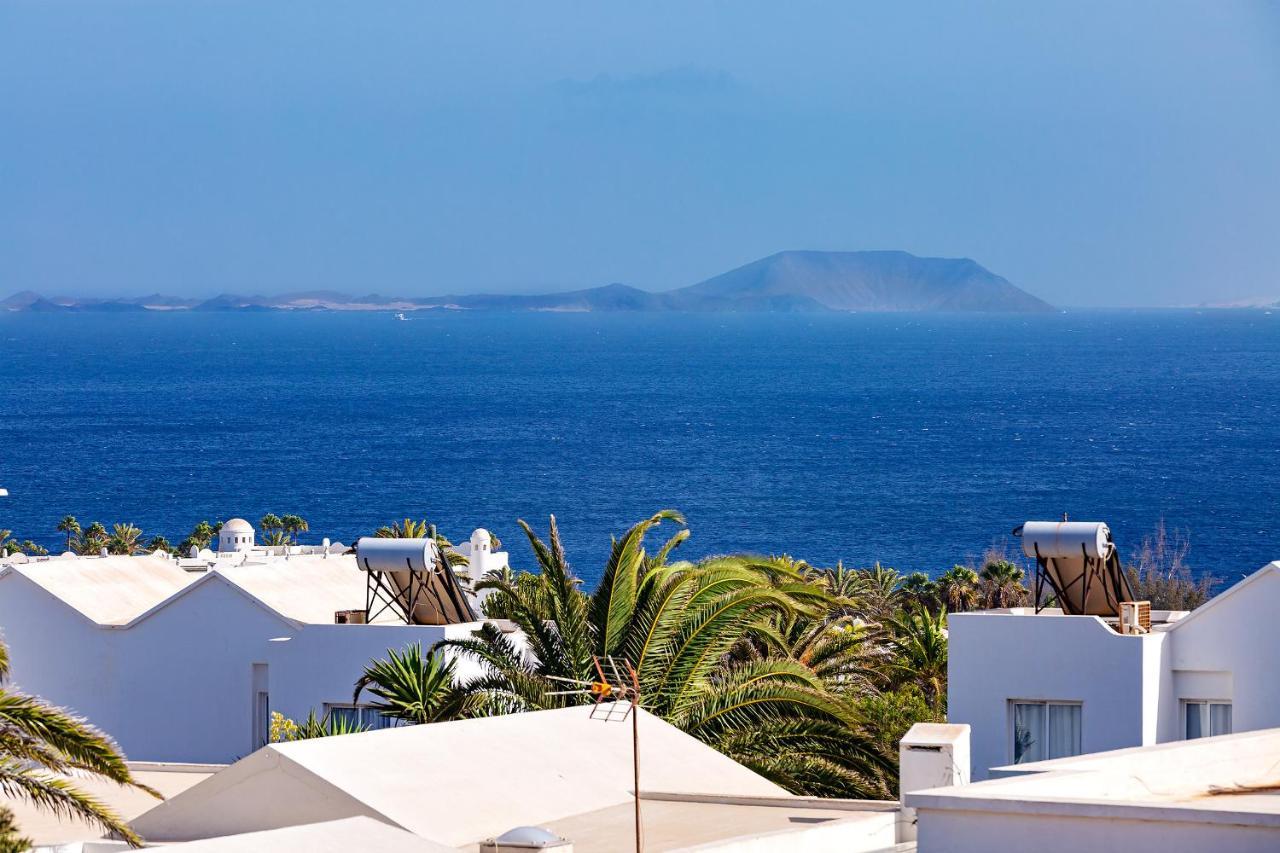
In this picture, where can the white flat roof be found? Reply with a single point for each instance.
(672, 822)
(1227, 779)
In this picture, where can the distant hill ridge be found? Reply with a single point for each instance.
(787, 281)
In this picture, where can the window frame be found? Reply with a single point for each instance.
(367, 713)
(1012, 733)
(1207, 704)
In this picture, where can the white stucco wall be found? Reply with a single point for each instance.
(178, 685)
(1227, 650)
(996, 658)
(320, 663)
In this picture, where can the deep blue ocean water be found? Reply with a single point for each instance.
(909, 439)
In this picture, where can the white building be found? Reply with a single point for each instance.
(1044, 686)
(460, 783)
(1219, 794)
(183, 660)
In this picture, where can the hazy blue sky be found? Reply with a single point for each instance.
(1094, 153)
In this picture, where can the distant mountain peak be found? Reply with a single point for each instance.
(882, 280)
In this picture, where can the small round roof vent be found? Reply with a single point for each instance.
(529, 835)
(526, 838)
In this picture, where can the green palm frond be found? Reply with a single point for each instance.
(767, 659)
(60, 797)
(614, 600)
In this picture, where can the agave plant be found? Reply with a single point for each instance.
(327, 726)
(412, 687)
(678, 624)
(41, 744)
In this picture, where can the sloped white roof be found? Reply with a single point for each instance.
(308, 589)
(1269, 571)
(107, 590)
(335, 836)
(455, 783)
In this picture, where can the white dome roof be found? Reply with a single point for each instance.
(239, 525)
(480, 534)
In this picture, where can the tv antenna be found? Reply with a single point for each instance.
(617, 696)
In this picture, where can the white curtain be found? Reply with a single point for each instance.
(1028, 733)
(1064, 731)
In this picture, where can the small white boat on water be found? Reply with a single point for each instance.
(400, 316)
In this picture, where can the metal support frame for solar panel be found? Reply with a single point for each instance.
(378, 591)
(1103, 569)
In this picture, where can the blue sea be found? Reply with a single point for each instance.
(913, 440)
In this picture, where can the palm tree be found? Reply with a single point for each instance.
(1002, 585)
(275, 538)
(69, 526)
(411, 687)
(91, 540)
(678, 624)
(919, 591)
(958, 589)
(839, 650)
(124, 539)
(8, 545)
(40, 745)
(918, 641)
(293, 525)
(159, 543)
(878, 592)
(410, 529)
(407, 529)
(199, 538)
(11, 841)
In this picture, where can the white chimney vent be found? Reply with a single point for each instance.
(931, 755)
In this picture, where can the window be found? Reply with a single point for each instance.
(361, 715)
(1044, 730)
(1206, 719)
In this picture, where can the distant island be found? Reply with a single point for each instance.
(793, 281)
